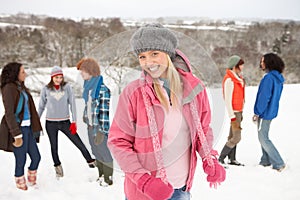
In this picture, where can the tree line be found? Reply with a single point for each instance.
(41, 41)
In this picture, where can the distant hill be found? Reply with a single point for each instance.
(42, 41)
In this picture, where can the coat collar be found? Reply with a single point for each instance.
(234, 77)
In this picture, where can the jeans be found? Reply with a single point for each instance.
(29, 146)
(270, 154)
(100, 151)
(179, 194)
(52, 128)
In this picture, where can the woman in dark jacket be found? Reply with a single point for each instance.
(20, 125)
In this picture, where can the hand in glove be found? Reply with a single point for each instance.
(155, 188)
(255, 119)
(18, 142)
(235, 126)
(215, 173)
(98, 138)
(36, 134)
(73, 128)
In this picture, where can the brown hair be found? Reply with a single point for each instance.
(273, 62)
(241, 62)
(10, 73)
(89, 65)
(51, 84)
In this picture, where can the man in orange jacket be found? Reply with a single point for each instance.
(233, 86)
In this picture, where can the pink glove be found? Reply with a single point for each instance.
(155, 188)
(215, 173)
(73, 128)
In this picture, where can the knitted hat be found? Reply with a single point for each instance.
(233, 61)
(154, 37)
(56, 70)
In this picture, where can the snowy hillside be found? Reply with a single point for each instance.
(246, 183)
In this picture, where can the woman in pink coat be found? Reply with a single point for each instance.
(161, 121)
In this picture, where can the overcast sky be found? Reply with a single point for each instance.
(215, 9)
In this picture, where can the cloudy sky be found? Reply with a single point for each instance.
(77, 9)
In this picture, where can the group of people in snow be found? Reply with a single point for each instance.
(265, 108)
(162, 119)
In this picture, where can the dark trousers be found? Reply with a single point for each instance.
(52, 128)
(29, 146)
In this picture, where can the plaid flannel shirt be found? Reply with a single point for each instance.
(100, 111)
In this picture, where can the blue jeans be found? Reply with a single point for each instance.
(270, 154)
(179, 194)
(29, 146)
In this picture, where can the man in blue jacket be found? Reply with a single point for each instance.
(266, 108)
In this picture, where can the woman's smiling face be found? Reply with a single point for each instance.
(155, 63)
(58, 79)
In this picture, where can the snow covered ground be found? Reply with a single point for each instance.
(247, 183)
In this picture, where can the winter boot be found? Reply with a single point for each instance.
(59, 171)
(232, 157)
(108, 173)
(31, 177)
(21, 182)
(92, 163)
(225, 151)
(235, 162)
(232, 153)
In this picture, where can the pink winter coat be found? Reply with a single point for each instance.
(130, 139)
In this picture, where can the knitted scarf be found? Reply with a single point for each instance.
(208, 153)
(93, 84)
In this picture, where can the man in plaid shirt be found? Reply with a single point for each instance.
(96, 115)
(99, 111)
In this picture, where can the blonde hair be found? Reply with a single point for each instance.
(175, 86)
(89, 65)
